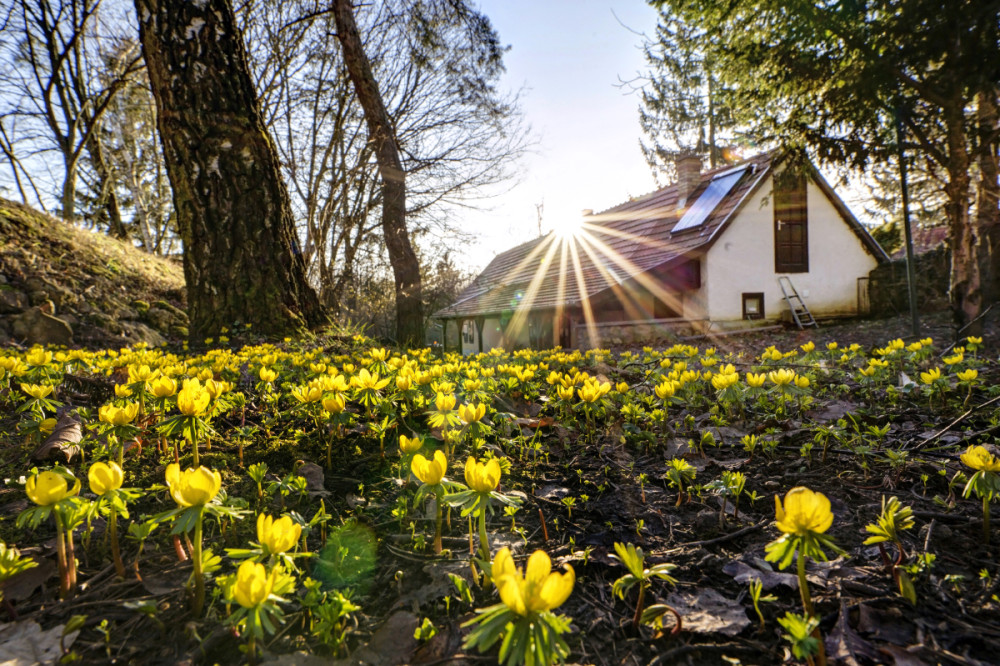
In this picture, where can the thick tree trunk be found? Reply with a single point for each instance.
(966, 285)
(988, 192)
(241, 257)
(405, 266)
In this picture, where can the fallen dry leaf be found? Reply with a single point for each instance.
(63, 442)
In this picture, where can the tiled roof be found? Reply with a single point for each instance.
(617, 244)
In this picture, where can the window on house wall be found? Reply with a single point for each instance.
(791, 223)
(468, 332)
(753, 305)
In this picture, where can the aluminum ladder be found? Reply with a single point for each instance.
(800, 313)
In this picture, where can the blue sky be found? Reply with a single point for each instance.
(569, 57)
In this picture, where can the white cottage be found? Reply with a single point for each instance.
(703, 254)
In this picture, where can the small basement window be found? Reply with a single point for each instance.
(753, 305)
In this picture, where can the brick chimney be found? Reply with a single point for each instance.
(688, 168)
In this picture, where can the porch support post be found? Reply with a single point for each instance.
(479, 332)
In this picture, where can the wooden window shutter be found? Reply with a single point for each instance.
(791, 224)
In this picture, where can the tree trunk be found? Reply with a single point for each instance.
(242, 262)
(988, 192)
(69, 187)
(107, 195)
(966, 285)
(405, 266)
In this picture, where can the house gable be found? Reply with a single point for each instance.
(741, 259)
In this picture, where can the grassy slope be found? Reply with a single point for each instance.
(93, 280)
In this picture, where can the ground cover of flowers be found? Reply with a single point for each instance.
(819, 501)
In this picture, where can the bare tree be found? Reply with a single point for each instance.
(437, 64)
(56, 88)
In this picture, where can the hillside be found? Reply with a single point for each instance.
(60, 284)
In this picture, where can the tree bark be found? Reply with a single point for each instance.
(405, 266)
(242, 261)
(988, 191)
(966, 281)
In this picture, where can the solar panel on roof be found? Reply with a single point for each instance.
(716, 191)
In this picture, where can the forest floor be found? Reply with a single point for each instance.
(586, 479)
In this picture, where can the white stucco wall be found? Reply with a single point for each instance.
(742, 260)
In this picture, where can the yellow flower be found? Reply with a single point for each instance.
(307, 394)
(429, 471)
(471, 413)
(592, 390)
(141, 373)
(482, 478)
(665, 389)
(721, 382)
(967, 375)
(253, 585)
(38, 357)
(335, 404)
(215, 389)
(404, 382)
(782, 377)
(279, 535)
(565, 392)
(268, 375)
(163, 387)
(48, 488)
(756, 380)
(104, 477)
(979, 459)
(122, 391)
(119, 416)
(37, 391)
(193, 487)
(804, 512)
(808, 347)
(366, 381)
(538, 590)
(930, 376)
(410, 444)
(802, 381)
(831, 346)
(192, 399)
(952, 360)
(621, 387)
(973, 340)
(47, 425)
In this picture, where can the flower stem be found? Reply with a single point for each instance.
(116, 552)
(638, 606)
(803, 585)
(437, 530)
(198, 601)
(61, 559)
(194, 446)
(484, 541)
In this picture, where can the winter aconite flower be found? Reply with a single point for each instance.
(482, 477)
(410, 444)
(104, 477)
(48, 488)
(193, 486)
(539, 589)
(804, 512)
(253, 584)
(979, 459)
(163, 387)
(119, 416)
(471, 413)
(429, 471)
(193, 400)
(279, 535)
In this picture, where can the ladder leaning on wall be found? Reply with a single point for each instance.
(800, 313)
